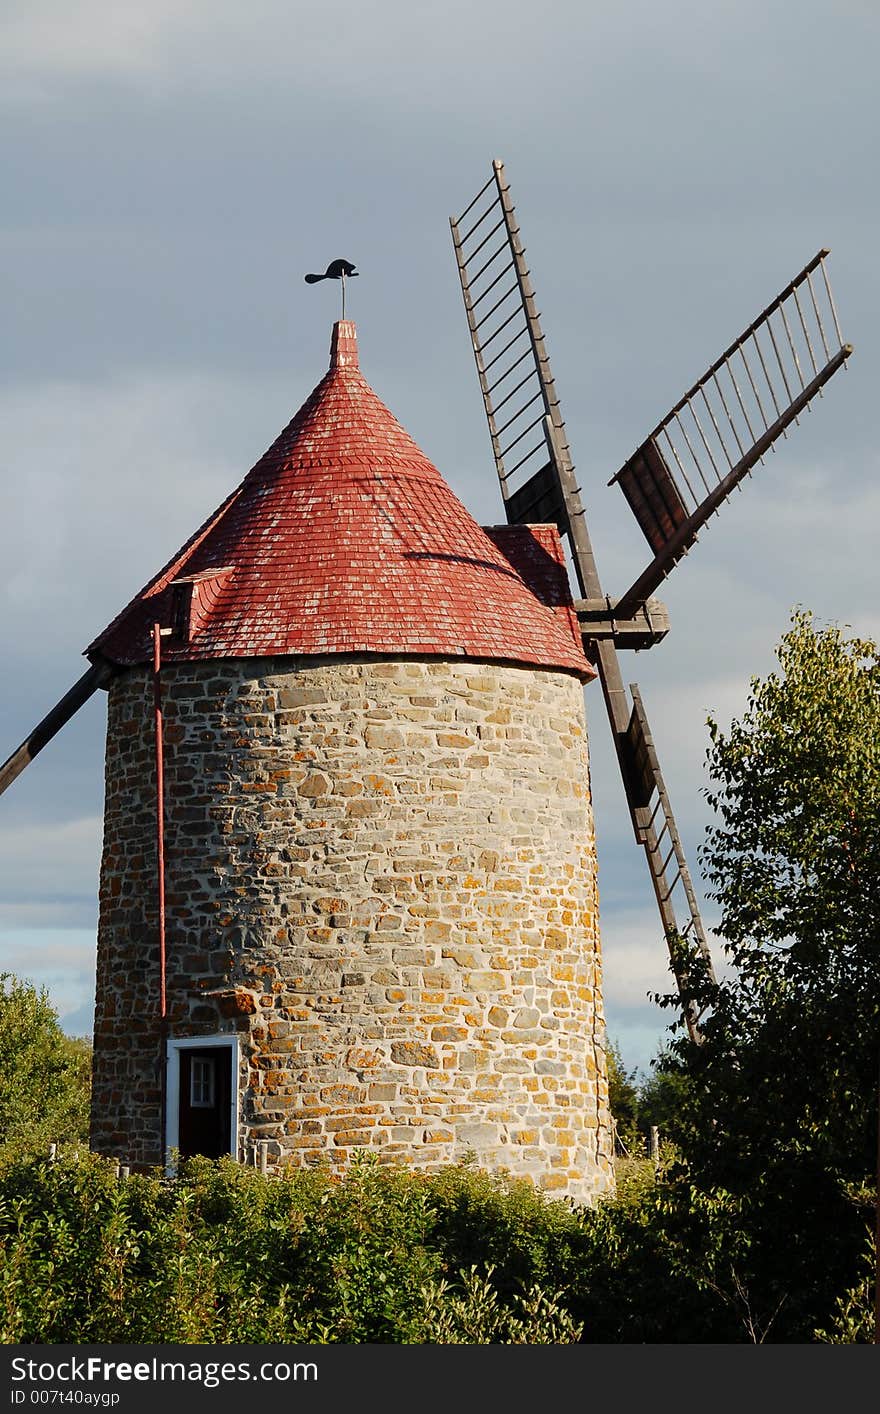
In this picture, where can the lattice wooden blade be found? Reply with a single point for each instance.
(96, 676)
(654, 827)
(657, 832)
(713, 437)
(532, 456)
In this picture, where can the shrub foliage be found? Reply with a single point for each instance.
(754, 1227)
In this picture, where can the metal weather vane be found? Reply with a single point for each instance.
(336, 270)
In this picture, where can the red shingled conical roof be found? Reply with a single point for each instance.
(344, 538)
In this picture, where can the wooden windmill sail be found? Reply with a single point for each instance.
(675, 480)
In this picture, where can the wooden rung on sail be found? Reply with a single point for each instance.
(724, 425)
(512, 364)
(529, 445)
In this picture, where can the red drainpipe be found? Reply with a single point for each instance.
(160, 809)
(160, 871)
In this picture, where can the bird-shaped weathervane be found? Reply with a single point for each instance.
(336, 270)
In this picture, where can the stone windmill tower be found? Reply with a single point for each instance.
(375, 921)
(348, 892)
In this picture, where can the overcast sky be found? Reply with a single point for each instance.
(171, 170)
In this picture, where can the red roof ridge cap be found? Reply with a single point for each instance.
(343, 345)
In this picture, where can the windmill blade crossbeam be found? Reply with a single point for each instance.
(599, 619)
(657, 833)
(723, 426)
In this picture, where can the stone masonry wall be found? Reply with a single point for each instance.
(381, 876)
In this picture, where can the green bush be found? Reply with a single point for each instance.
(44, 1075)
(853, 1320)
(221, 1254)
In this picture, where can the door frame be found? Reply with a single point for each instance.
(172, 1087)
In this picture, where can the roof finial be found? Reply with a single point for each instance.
(336, 270)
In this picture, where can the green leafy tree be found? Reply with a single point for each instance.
(44, 1075)
(663, 1099)
(623, 1095)
(780, 1105)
